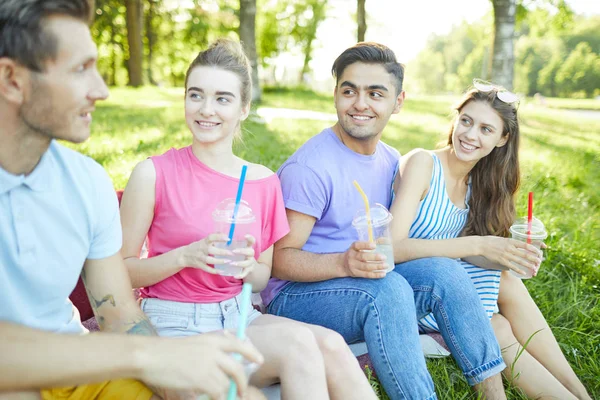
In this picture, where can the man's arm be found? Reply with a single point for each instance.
(292, 263)
(33, 359)
(109, 290)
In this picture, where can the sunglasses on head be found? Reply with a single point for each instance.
(502, 94)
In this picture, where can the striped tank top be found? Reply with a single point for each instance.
(438, 218)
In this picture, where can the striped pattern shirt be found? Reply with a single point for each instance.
(438, 218)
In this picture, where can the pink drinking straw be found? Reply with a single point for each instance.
(529, 217)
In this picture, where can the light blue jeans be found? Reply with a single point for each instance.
(384, 313)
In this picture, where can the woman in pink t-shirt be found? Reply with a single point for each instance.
(170, 199)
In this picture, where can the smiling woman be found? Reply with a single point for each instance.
(187, 289)
(458, 202)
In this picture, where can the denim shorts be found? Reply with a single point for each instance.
(174, 318)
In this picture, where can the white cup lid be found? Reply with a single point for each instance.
(379, 216)
(224, 212)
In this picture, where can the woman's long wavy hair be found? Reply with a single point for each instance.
(495, 178)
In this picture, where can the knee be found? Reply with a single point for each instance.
(512, 290)
(448, 276)
(301, 344)
(333, 346)
(395, 289)
(448, 269)
(503, 331)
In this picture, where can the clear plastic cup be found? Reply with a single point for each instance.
(380, 223)
(518, 231)
(223, 218)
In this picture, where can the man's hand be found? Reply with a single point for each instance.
(201, 363)
(361, 261)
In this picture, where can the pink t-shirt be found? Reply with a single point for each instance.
(187, 192)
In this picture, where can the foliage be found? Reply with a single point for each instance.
(580, 72)
(288, 26)
(549, 56)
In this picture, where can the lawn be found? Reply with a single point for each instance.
(560, 163)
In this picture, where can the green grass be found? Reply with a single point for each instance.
(573, 104)
(560, 162)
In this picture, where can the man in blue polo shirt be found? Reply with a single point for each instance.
(59, 218)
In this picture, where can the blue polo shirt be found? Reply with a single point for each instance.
(51, 221)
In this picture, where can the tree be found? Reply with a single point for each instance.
(134, 38)
(580, 73)
(247, 32)
(308, 15)
(151, 37)
(503, 48)
(361, 19)
(109, 31)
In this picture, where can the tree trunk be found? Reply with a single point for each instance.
(361, 19)
(503, 58)
(319, 10)
(247, 34)
(151, 37)
(113, 57)
(134, 38)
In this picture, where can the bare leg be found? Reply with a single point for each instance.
(254, 394)
(345, 379)
(523, 370)
(491, 388)
(525, 318)
(292, 357)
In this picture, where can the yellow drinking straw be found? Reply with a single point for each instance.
(367, 210)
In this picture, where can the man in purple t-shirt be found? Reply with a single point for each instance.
(324, 276)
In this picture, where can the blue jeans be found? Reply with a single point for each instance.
(384, 313)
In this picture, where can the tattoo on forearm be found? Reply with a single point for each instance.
(142, 327)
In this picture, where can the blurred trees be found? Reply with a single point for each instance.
(153, 41)
(556, 53)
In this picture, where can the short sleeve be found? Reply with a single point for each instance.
(303, 190)
(276, 224)
(107, 237)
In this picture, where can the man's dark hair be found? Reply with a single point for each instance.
(370, 53)
(23, 36)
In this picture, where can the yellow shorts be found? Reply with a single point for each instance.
(126, 389)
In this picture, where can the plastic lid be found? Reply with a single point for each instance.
(379, 216)
(536, 224)
(224, 212)
(520, 226)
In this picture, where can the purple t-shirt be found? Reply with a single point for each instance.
(317, 180)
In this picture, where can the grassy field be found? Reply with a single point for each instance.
(560, 162)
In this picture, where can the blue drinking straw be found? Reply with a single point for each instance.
(241, 331)
(238, 198)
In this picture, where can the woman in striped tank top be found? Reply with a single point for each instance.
(461, 198)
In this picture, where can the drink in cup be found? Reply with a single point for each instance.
(223, 218)
(518, 231)
(380, 225)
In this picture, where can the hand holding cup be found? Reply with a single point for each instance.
(248, 263)
(361, 261)
(518, 256)
(206, 252)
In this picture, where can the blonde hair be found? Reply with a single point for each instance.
(229, 55)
